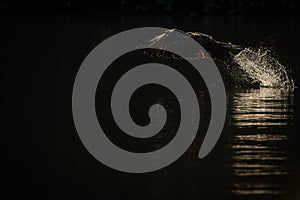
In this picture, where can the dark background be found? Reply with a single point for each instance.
(42, 45)
(188, 6)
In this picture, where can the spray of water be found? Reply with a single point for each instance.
(243, 67)
(263, 69)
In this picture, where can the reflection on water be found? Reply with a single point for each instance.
(258, 147)
(262, 108)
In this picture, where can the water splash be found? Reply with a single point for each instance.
(261, 68)
(240, 66)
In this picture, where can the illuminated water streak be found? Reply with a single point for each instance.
(262, 108)
(258, 146)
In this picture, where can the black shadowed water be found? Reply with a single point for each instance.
(257, 156)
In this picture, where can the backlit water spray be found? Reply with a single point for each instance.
(263, 69)
(240, 66)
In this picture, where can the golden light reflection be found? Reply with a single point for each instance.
(257, 189)
(262, 108)
(258, 144)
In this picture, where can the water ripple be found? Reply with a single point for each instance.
(258, 145)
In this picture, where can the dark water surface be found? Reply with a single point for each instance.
(257, 156)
